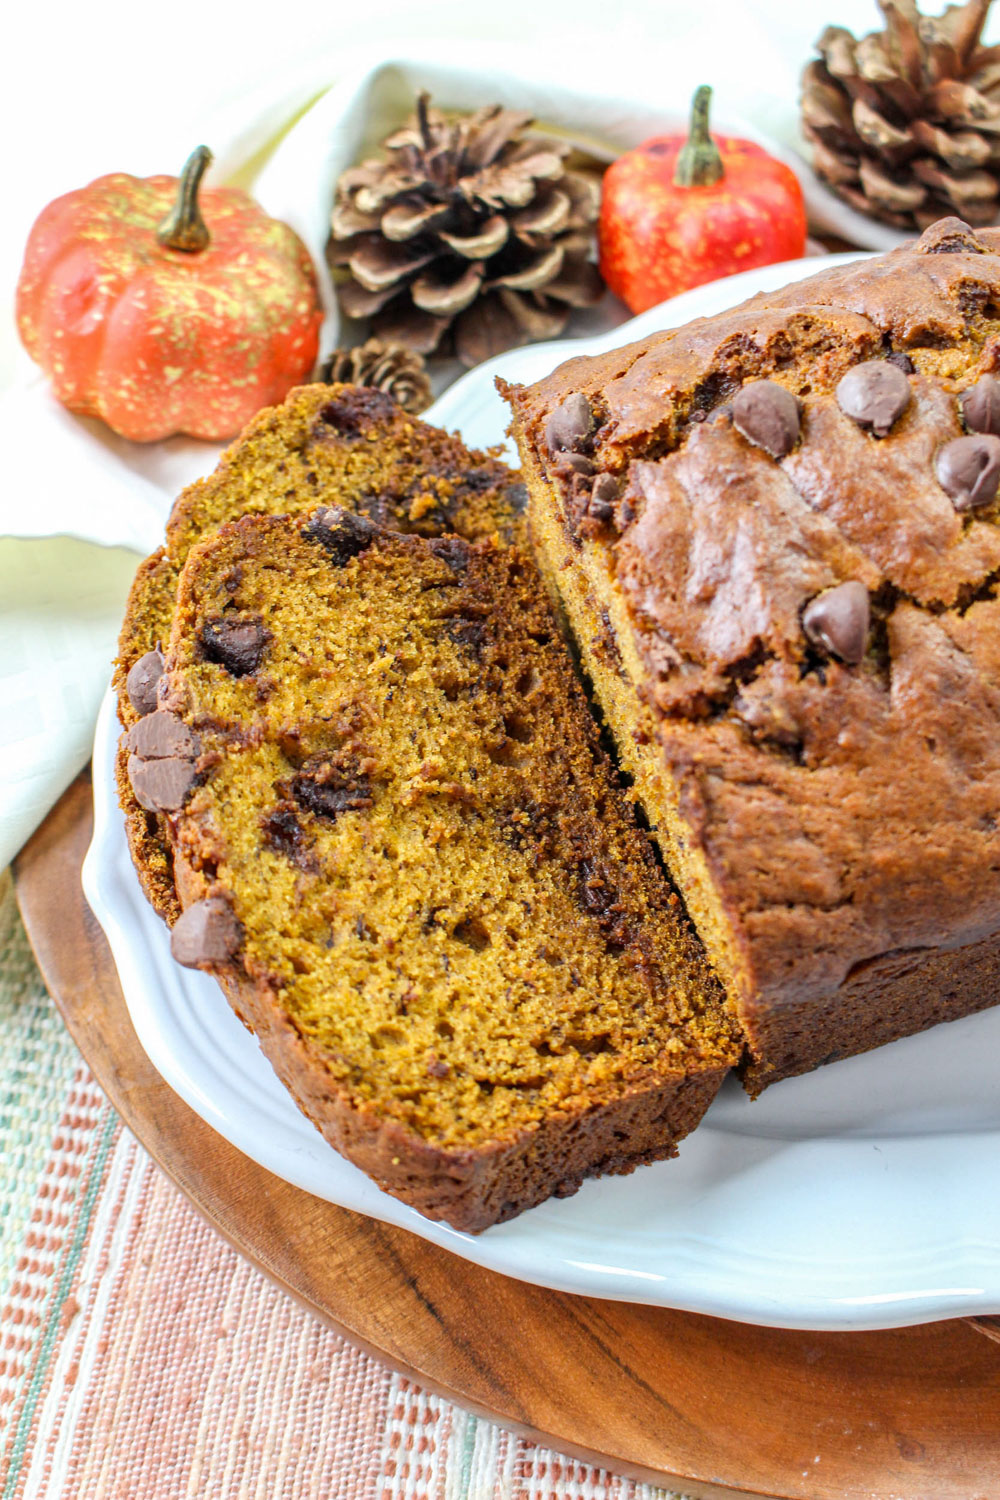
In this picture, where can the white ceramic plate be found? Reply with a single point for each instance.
(862, 1196)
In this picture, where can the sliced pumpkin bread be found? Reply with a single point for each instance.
(341, 444)
(403, 852)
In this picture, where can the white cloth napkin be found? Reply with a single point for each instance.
(79, 505)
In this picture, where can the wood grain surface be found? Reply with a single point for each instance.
(709, 1407)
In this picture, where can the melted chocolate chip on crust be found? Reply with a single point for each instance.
(981, 405)
(874, 394)
(570, 425)
(838, 620)
(968, 470)
(142, 680)
(340, 533)
(205, 933)
(768, 416)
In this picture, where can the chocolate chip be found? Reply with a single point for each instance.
(452, 551)
(161, 785)
(570, 425)
(340, 533)
(161, 763)
(901, 361)
(768, 416)
(328, 799)
(605, 489)
(838, 621)
(874, 395)
(237, 645)
(358, 409)
(284, 834)
(161, 734)
(968, 469)
(205, 933)
(141, 682)
(981, 405)
(573, 463)
(516, 496)
(468, 633)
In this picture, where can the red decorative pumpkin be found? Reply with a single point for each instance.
(679, 211)
(159, 320)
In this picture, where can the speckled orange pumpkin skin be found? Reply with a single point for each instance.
(657, 238)
(157, 341)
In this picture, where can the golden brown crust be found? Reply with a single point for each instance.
(818, 814)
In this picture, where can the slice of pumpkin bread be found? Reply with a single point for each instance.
(345, 444)
(404, 854)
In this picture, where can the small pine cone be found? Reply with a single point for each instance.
(470, 234)
(905, 123)
(400, 372)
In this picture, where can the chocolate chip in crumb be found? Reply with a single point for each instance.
(838, 620)
(874, 394)
(205, 934)
(768, 416)
(981, 405)
(340, 533)
(901, 361)
(238, 645)
(142, 680)
(968, 470)
(356, 409)
(452, 551)
(516, 496)
(328, 799)
(569, 426)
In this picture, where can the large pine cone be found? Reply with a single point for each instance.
(905, 123)
(469, 232)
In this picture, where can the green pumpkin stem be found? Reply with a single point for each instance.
(699, 163)
(184, 228)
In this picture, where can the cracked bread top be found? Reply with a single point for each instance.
(809, 585)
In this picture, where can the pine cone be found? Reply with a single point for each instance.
(469, 228)
(393, 368)
(905, 123)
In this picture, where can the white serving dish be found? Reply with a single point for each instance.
(861, 1196)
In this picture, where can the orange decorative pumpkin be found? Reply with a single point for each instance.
(159, 320)
(679, 211)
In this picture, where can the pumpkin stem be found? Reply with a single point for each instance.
(184, 228)
(699, 163)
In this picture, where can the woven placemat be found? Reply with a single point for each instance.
(141, 1357)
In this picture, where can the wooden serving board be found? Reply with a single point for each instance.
(709, 1407)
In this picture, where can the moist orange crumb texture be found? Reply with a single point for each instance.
(345, 445)
(341, 444)
(432, 868)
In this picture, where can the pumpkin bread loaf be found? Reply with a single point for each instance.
(403, 852)
(775, 535)
(345, 444)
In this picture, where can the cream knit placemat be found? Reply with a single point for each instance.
(142, 1359)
